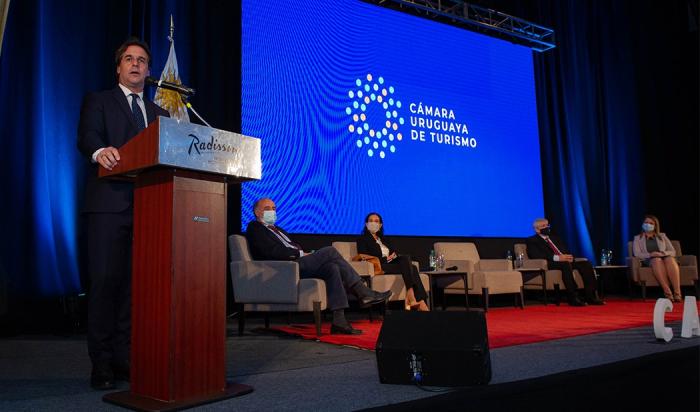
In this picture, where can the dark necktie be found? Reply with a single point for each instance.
(553, 246)
(282, 235)
(138, 114)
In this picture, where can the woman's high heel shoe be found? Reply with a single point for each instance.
(677, 297)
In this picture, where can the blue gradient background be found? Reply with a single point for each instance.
(297, 69)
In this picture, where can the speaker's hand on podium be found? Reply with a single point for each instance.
(108, 157)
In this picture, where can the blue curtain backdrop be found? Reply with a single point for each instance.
(47, 62)
(587, 105)
(53, 53)
(606, 100)
(618, 106)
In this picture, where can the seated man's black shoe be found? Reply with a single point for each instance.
(344, 330)
(576, 302)
(374, 298)
(595, 301)
(102, 378)
(121, 371)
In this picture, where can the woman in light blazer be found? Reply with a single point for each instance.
(657, 252)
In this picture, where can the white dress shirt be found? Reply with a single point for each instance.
(129, 99)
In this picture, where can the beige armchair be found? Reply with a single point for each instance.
(272, 286)
(379, 283)
(553, 276)
(644, 276)
(485, 276)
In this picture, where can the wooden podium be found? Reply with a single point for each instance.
(178, 332)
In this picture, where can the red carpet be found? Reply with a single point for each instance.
(512, 326)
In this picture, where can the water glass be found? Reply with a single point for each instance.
(519, 261)
(440, 261)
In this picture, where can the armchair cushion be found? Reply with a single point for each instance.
(494, 264)
(363, 268)
(346, 249)
(310, 290)
(457, 251)
(462, 265)
(265, 281)
(688, 260)
(238, 248)
(535, 264)
(498, 281)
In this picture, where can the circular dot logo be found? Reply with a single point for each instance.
(375, 118)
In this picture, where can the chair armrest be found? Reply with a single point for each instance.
(266, 281)
(634, 264)
(462, 265)
(580, 259)
(688, 260)
(536, 264)
(363, 268)
(494, 264)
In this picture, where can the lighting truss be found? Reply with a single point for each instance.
(487, 21)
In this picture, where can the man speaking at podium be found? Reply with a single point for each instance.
(108, 120)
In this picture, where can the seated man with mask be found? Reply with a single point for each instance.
(270, 242)
(545, 246)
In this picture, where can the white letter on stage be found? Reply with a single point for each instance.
(660, 330)
(691, 323)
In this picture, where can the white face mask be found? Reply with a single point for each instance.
(373, 227)
(648, 227)
(270, 217)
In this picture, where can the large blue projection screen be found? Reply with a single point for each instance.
(362, 108)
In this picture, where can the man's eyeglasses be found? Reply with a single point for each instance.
(133, 59)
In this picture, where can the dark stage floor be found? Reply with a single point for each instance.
(50, 373)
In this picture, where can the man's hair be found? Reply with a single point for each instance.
(257, 203)
(537, 221)
(133, 41)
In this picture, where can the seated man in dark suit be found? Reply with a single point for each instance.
(545, 246)
(269, 242)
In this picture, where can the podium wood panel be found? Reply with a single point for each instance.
(178, 286)
(178, 332)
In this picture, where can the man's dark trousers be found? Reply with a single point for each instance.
(339, 276)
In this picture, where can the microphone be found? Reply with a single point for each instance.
(170, 86)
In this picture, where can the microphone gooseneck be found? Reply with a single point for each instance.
(184, 90)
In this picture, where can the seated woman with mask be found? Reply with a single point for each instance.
(658, 253)
(372, 242)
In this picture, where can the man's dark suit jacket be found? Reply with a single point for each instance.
(265, 245)
(538, 248)
(106, 120)
(366, 244)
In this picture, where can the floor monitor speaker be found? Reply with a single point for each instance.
(434, 348)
